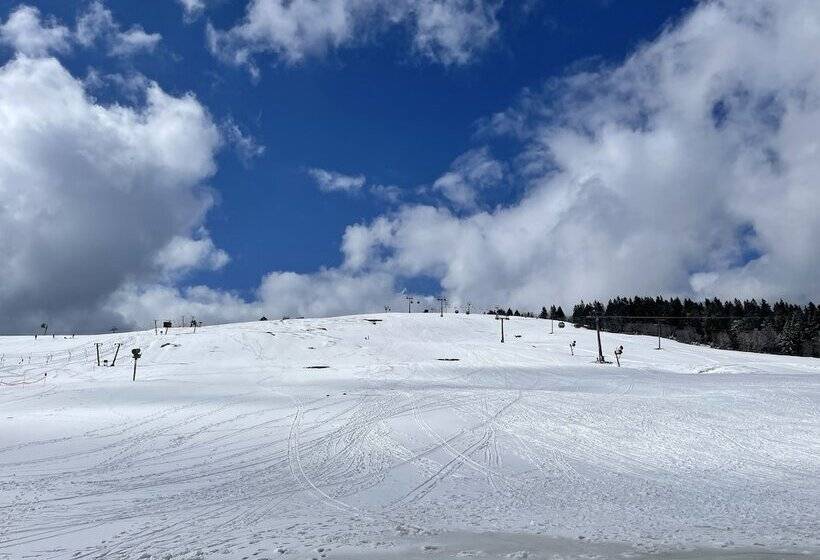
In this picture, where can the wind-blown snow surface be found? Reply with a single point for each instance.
(228, 446)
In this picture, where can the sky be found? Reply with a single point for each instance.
(228, 159)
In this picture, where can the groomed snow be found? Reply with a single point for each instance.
(229, 445)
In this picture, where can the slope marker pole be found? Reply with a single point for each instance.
(659, 336)
(598, 332)
(502, 319)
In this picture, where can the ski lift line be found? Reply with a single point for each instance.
(660, 317)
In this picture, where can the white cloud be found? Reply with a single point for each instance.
(451, 31)
(95, 196)
(138, 305)
(26, 33)
(331, 181)
(97, 23)
(192, 8)
(324, 293)
(388, 193)
(245, 145)
(321, 294)
(689, 169)
(469, 174)
(445, 31)
(182, 254)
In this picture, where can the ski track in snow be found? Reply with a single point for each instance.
(226, 446)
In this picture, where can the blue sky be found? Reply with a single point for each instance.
(374, 100)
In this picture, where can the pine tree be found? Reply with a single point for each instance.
(789, 338)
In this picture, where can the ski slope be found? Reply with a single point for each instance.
(231, 443)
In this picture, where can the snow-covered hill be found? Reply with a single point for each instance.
(411, 436)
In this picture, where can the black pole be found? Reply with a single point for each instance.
(97, 346)
(598, 331)
(659, 335)
(441, 301)
(117, 351)
(134, 378)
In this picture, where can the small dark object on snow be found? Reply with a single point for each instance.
(373, 321)
(560, 324)
(518, 336)
(263, 318)
(316, 367)
(448, 359)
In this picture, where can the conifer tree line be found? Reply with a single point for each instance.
(748, 325)
(554, 313)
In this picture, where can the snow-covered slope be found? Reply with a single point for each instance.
(233, 444)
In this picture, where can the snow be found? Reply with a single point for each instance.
(230, 445)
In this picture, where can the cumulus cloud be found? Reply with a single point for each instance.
(97, 23)
(445, 31)
(27, 33)
(183, 254)
(688, 169)
(95, 196)
(331, 181)
(320, 294)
